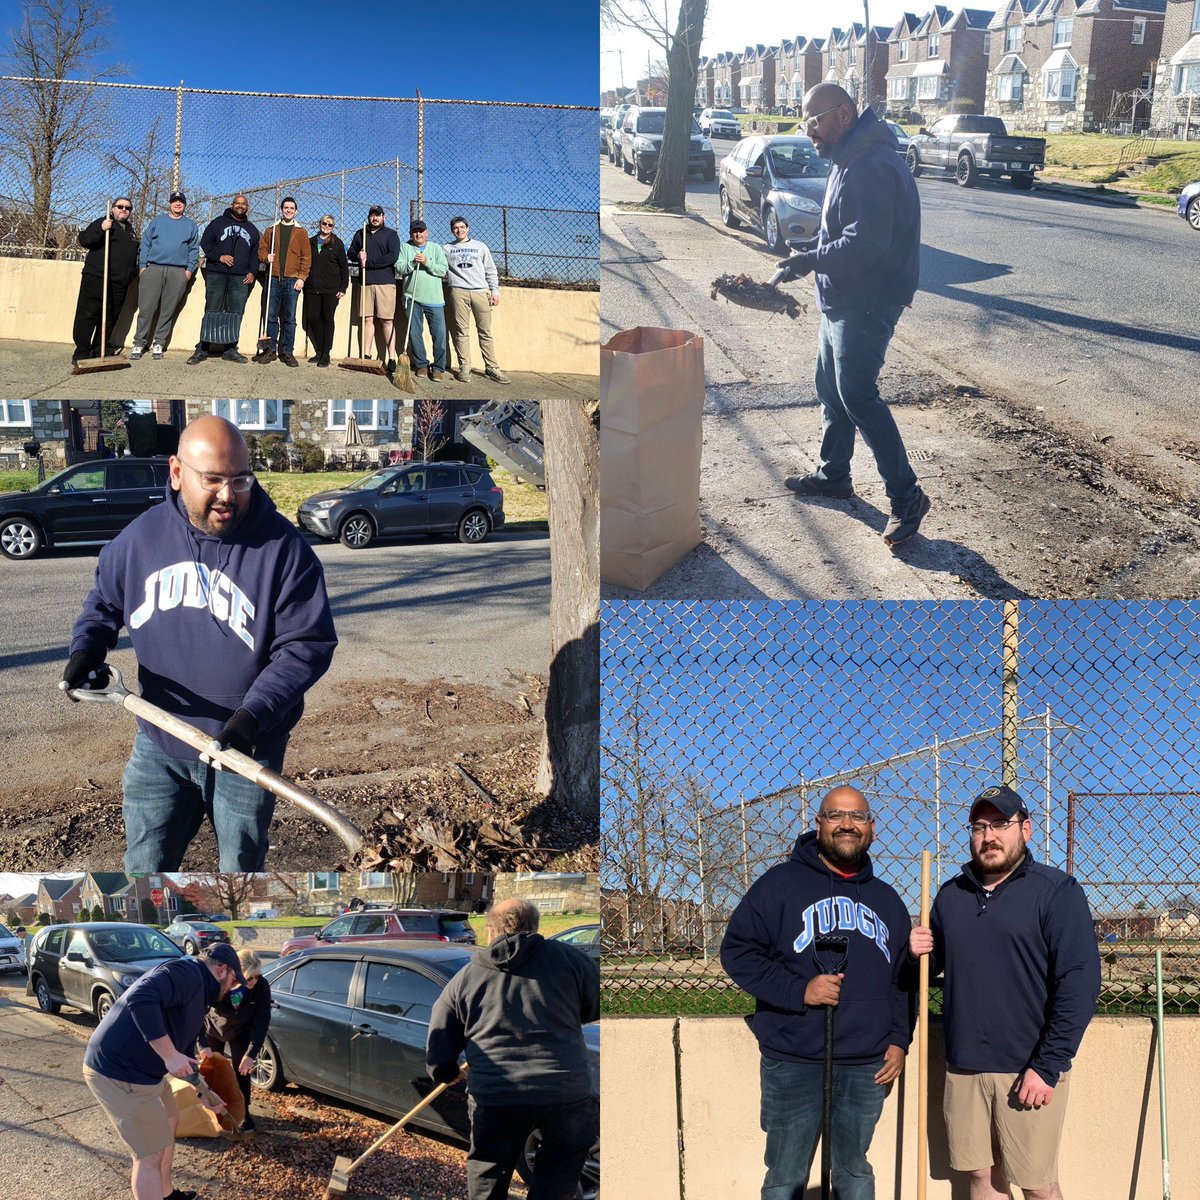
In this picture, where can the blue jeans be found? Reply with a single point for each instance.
(791, 1119)
(850, 351)
(167, 799)
(435, 314)
(281, 315)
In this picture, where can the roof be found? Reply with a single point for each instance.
(56, 889)
(1000, 19)
(1187, 53)
(933, 66)
(903, 27)
(1010, 64)
(1060, 60)
(970, 18)
(109, 883)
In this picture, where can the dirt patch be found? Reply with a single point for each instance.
(438, 776)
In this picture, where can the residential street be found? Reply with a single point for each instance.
(1013, 395)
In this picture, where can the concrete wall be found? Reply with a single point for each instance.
(544, 330)
(680, 1114)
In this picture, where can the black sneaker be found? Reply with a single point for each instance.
(234, 356)
(314, 359)
(180, 1194)
(248, 1125)
(902, 526)
(199, 357)
(391, 369)
(814, 485)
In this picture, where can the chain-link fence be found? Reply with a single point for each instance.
(524, 175)
(725, 725)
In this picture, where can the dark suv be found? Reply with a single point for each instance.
(640, 140)
(88, 966)
(87, 504)
(446, 497)
(378, 925)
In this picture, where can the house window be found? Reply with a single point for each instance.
(1196, 17)
(1139, 31)
(904, 50)
(1062, 31)
(935, 42)
(1058, 85)
(1012, 39)
(369, 414)
(374, 879)
(798, 89)
(14, 412)
(1008, 87)
(251, 414)
(468, 878)
(853, 55)
(1187, 79)
(322, 881)
(897, 89)
(927, 87)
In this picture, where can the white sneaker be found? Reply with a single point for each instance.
(156, 351)
(136, 352)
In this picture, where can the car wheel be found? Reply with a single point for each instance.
(710, 172)
(588, 1187)
(1193, 213)
(474, 526)
(771, 231)
(45, 1002)
(914, 163)
(104, 1001)
(965, 174)
(727, 217)
(189, 947)
(356, 532)
(19, 538)
(267, 1073)
(642, 177)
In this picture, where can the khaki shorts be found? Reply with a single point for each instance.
(379, 300)
(986, 1126)
(139, 1111)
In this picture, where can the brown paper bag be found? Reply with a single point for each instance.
(194, 1119)
(651, 435)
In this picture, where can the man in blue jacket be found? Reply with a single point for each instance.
(771, 951)
(169, 254)
(148, 1034)
(230, 246)
(866, 263)
(226, 609)
(1018, 947)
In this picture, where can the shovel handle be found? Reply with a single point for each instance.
(399, 1125)
(923, 1035)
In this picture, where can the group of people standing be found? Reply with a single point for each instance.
(418, 279)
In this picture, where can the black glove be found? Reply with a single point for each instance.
(795, 266)
(240, 732)
(86, 670)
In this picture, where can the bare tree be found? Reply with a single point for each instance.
(226, 892)
(570, 766)
(149, 170)
(45, 120)
(404, 888)
(683, 57)
(429, 424)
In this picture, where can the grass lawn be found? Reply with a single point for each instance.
(550, 923)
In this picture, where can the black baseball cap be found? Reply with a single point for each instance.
(177, 196)
(1002, 798)
(375, 210)
(418, 227)
(224, 953)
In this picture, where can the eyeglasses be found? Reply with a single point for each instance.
(813, 121)
(857, 815)
(126, 207)
(326, 224)
(980, 828)
(211, 482)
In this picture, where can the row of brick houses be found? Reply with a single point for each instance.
(1074, 65)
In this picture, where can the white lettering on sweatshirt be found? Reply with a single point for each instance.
(193, 585)
(840, 912)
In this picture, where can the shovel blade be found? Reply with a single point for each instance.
(339, 1181)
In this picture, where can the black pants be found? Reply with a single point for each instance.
(499, 1133)
(237, 1051)
(319, 308)
(87, 315)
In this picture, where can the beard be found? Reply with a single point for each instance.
(992, 859)
(210, 517)
(844, 848)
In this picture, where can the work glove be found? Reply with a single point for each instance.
(86, 670)
(240, 732)
(795, 266)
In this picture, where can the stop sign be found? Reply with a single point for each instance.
(156, 895)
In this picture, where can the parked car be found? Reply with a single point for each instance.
(430, 498)
(1189, 204)
(582, 937)
(88, 504)
(614, 133)
(971, 145)
(376, 925)
(352, 1021)
(640, 140)
(775, 184)
(902, 138)
(719, 122)
(12, 950)
(193, 935)
(88, 965)
(606, 117)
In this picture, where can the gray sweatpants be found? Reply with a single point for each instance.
(160, 289)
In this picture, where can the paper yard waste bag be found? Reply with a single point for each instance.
(194, 1119)
(651, 435)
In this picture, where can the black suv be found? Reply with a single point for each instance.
(640, 140)
(444, 497)
(87, 504)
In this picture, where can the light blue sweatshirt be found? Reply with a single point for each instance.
(171, 242)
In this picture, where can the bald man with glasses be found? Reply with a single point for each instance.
(1017, 944)
(225, 606)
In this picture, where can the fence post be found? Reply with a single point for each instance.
(342, 204)
(703, 894)
(396, 210)
(1048, 791)
(1070, 833)
(178, 136)
(420, 153)
(504, 224)
(1008, 730)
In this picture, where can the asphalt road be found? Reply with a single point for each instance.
(1053, 298)
(408, 611)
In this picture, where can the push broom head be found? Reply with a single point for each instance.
(99, 364)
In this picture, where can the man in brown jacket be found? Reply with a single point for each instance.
(288, 269)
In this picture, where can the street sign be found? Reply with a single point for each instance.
(156, 896)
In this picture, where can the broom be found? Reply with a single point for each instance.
(403, 378)
(103, 363)
(370, 365)
(264, 342)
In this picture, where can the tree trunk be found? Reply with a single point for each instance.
(570, 767)
(670, 180)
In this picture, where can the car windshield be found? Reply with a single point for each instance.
(128, 945)
(651, 122)
(203, 925)
(453, 926)
(369, 483)
(723, 113)
(798, 160)
(5, 932)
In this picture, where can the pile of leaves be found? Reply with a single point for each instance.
(747, 292)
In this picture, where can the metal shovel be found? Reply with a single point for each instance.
(234, 760)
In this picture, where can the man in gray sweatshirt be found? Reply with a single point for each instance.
(472, 288)
(170, 252)
(518, 1011)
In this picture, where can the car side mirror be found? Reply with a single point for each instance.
(922, 132)
(55, 491)
(76, 957)
(756, 172)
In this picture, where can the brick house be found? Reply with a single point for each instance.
(328, 892)
(59, 899)
(757, 83)
(25, 906)
(851, 63)
(1176, 105)
(552, 891)
(128, 899)
(829, 52)
(947, 66)
(797, 68)
(1078, 64)
(704, 82)
(727, 76)
(902, 59)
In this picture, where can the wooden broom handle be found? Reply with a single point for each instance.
(104, 284)
(923, 1035)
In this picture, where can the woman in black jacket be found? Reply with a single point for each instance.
(328, 281)
(240, 1020)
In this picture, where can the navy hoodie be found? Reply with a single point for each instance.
(228, 235)
(171, 999)
(1022, 970)
(768, 952)
(217, 624)
(869, 252)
